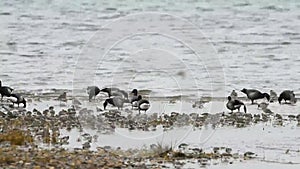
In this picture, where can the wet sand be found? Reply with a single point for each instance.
(147, 137)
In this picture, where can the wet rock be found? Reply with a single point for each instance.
(183, 146)
(216, 149)
(86, 145)
(228, 150)
(249, 154)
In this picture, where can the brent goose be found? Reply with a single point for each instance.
(93, 91)
(133, 100)
(287, 95)
(5, 91)
(273, 96)
(18, 99)
(233, 94)
(120, 93)
(143, 104)
(135, 103)
(253, 94)
(233, 104)
(116, 101)
(134, 92)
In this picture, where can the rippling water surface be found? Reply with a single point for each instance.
(43, 45)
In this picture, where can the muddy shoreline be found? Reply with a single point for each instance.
(82, 135)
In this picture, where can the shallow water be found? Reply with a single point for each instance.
(257, 137)
(44, 45)
(269, 142)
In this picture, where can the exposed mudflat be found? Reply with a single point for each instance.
(171, 133)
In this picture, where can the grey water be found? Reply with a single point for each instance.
(142, 44)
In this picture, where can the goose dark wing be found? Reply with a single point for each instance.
(238, 102)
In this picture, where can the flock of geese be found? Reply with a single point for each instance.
(118, 97)
(253, 94)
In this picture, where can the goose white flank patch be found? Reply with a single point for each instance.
(134, 98)
(17, 99)
(143, 104)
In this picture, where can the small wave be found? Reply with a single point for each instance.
(243, 4)
(266, 56)
(30, 55)
(111, 9)
(291, 33)
(71, 43)
(5, 13)
(33, 17)
(204, 9)
(257, 43)
(273, 48)
(6, 53)
(234, 66)
(259, 34)
(40, 83)
(279, 59)
(275, 8)
(35, 43)
(114, 16)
